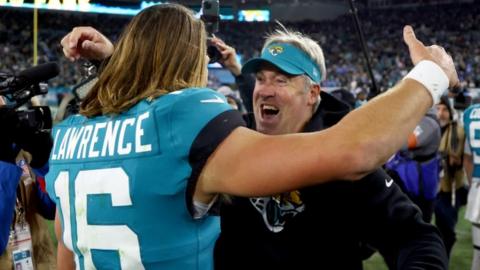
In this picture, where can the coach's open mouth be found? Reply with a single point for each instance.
(268, 110)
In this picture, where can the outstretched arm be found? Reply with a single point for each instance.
(252, 164)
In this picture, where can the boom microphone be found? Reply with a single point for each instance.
(29, 76)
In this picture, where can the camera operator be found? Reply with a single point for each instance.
(24, 153)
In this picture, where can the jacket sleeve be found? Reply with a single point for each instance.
(9, 178)
(425, 139)
(246, 84)
(45, 206)
(42, 171)
(394, 226)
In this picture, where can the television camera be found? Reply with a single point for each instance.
(211, 18)
(19, 89)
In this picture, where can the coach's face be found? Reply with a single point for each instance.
(282, 103)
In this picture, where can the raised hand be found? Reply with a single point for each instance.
(86, 42)
(434, 53)
(229, 56)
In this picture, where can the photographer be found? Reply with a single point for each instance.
(24, 153)
(452, 193)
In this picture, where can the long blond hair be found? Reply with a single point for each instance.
(161, 50)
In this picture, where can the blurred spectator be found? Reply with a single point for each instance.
(416, 167)
(345, 64)
(360, 96)
(452, 193)
(472, 168)
(232, 97)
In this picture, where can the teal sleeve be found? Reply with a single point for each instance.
(192, 111)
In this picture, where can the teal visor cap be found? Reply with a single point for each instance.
(288, 59)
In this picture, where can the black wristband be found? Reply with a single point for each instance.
(100, 64)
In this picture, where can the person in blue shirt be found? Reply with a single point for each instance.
(134, 175)
(416, 167)
(9, 176)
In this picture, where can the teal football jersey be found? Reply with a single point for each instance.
(471, 121)
(120, 183)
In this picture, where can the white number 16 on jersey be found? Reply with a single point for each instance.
(113, 181)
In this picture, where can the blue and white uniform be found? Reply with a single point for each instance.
(124, 184)
(471, 120)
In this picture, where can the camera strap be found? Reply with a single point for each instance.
(20, 240)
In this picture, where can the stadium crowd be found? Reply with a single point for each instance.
(345, 66)
(158, 98)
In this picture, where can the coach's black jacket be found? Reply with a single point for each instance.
(338, 221)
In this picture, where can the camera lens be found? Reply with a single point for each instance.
(213, 54)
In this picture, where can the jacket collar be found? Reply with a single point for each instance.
(330, 111)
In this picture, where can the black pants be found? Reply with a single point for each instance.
(426, 206)
(446, 218)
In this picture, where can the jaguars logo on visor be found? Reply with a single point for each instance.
(275, 50)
